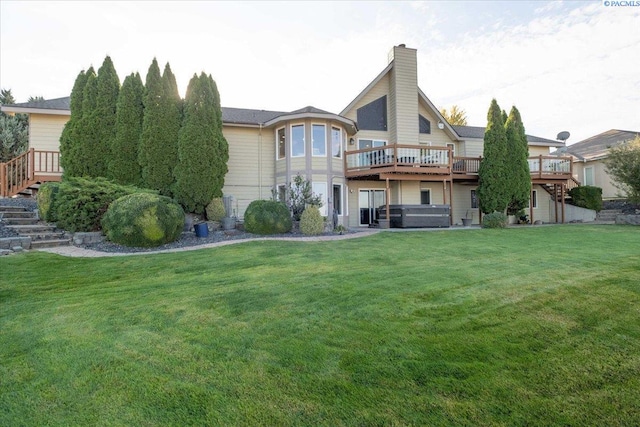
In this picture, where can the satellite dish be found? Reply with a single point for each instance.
(563, 136)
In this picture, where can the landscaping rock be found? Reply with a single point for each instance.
(628, 219)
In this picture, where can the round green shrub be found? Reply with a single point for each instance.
(494, 220)
(311, 222)
(143, 220)
(587, 196)
(46, 199)
(267, 217)
(215, 210)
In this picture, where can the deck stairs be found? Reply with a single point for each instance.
(26, 224)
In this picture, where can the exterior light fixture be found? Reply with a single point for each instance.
(440, 125)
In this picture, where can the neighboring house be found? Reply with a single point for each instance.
(589, 156)
(390, 145)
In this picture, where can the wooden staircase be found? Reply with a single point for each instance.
(22, 172)
(556, 190)
(26, 224)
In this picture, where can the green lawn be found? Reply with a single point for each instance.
(530, 326)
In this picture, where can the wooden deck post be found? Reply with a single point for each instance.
(563, 204)
(388, 191)
(555, 200)
(3, 180)
(531, 205)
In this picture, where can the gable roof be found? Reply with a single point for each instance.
(477, 132)
(58, 106)
(245, 116)
(597, 146)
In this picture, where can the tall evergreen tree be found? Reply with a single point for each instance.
(86, 132)
(103, 120)
(69, 150)
(493, 185)
(221, 147)
(161, 124)
(517, 155)
(195, 171)
(123, 165)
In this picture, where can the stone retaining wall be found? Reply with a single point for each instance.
(628, 219)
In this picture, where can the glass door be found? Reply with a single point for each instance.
(369, 201)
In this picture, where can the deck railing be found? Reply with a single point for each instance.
(466, 165)
(400, 158)
(27, 169)
(550, 167)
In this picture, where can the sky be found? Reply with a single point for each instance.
(566, 65)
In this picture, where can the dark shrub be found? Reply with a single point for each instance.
(494, 220)
(81, 202)
(46, 198)
(587, 197)
(267, 217)
(143, 220)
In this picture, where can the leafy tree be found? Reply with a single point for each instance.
(36, 99)
(195, 172)
(123, 165)
(517, 162)
(102, 119)
(493, 185)
(14, 130)
(455, 115)
(221, 146)
(69, 143)
(623, 164)
(85, 133)
(161, 124)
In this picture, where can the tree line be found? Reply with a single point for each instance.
(144, 134)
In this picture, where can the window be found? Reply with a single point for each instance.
(424, 124)
(336, 142)
(280, 143)
(368, 143)
(282, 193)
(425, 197)
(337, 198)
(453, 148)
(319, 140)
(588, 176)
(373, 116)
(474, 199)
(534, 197)
(297, 141)
(320, 189)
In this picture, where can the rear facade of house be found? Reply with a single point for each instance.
(389, 147)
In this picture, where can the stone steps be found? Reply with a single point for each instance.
(33, 233)
(608, 215)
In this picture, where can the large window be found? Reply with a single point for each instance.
(337, 198)
(424, 124)
(297, 141)
(336, 142)
(280, 143)
(373, 116)
(320, 189)
(319, 140)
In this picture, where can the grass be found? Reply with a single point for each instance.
(531, 326)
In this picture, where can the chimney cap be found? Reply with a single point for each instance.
(402, 45)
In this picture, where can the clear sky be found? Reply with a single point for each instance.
(572, 65)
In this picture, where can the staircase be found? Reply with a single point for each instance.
(26, 224)
(608, 216)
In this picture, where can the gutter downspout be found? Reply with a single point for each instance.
(260, 161)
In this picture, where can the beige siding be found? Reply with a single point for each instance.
(536, 150)
(45, 131)
(472, 148)
(437, 137)
(600, 178)
(379, 90)
(462, 204)
(542, 211)
(251, 165)
(404, 85)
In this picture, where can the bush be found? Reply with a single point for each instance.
(46, 199)
(267, 217)
(494, 220)
(81, 203)
(311, 222)
(215, 210)
(587, 197)
(143, 220)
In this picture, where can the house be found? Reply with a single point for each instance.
(589, 156)
(390, 145)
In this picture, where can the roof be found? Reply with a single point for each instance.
(247, 116)
(478, 133)
(60, 106)
(597, 146)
